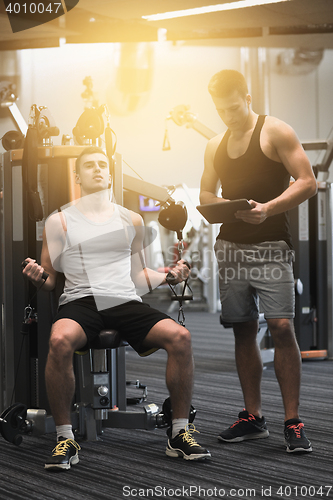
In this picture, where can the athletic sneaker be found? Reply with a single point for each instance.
(185, 446)
(295, 438)
(63, 455)
(247, 426)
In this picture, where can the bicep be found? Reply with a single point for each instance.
(46, 262)
(210, 181)
(138, 261)
(292, 154)
(54, 238)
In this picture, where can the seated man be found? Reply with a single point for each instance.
(98, 245)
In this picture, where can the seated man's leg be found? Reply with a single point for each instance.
(66, 337)
(176, 340)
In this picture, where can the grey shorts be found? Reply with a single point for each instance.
(253, 273)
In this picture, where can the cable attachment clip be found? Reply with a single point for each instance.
(172, 282)
(30, 316)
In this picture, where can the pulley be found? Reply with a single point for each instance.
(12, 140)
(173, 216)
(90, 125)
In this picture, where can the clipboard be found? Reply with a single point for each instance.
(223, 212)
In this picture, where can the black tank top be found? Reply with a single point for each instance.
(252, 176)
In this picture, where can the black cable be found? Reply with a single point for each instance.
(133, 170)
(17, 369)
(23, 335)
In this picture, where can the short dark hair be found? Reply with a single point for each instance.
(227, 81)
(89, 150)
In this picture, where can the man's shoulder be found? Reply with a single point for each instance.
(214, 143)
(278, 131)
(134, 217)
(55, 218)
(275, 125)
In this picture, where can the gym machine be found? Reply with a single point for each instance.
(34, 183)
(13, 139)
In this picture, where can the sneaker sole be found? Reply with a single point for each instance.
(238, 439)
(73, 461)
(298, 450)
(181, 454)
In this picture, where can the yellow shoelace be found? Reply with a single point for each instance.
(63, 446)
(187, 435)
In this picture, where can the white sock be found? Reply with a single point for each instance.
(178, 424)
(64, 431)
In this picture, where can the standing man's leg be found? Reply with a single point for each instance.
(250, 424)
(249, 364)
(288, 367)
(287, 364)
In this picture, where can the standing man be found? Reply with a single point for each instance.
(98, 245)
(255, 159)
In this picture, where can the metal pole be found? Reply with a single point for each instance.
(330, 270)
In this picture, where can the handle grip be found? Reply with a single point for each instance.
(171, 279)
(44, 275)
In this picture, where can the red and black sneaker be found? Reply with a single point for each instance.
(247, 426)
(295, 438)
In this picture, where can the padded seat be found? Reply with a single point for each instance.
(108, 339)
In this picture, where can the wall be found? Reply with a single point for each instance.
(53, 78)
(303, 101)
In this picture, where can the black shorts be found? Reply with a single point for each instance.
(133, 320)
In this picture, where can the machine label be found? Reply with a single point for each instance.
(303, 221)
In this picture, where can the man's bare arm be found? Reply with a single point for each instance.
(143, 277)
(292, 155)
(210, 182)
(53, 242)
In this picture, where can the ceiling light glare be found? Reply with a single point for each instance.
(242, 4)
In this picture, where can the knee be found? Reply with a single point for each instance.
(245, 332)
(282, 331)
(60, 345)
(181, 340)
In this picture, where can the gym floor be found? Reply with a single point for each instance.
(133, 464)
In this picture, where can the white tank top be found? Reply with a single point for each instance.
(96, 258)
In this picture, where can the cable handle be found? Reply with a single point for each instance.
(171, 279)
(25, 263)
